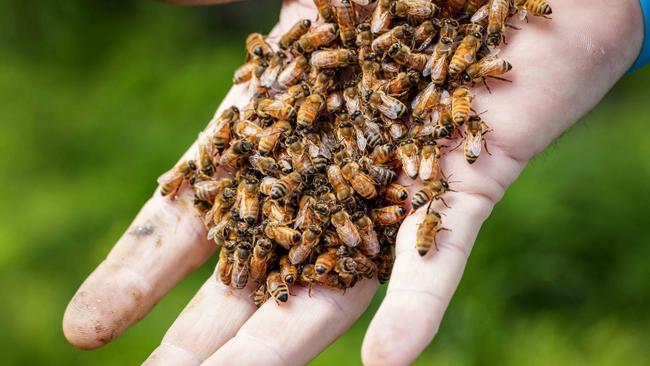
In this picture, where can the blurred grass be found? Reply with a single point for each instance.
(98, 98)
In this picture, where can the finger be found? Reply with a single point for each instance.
(165, 243)
(210, 319)
(420, 288)
(295, 332)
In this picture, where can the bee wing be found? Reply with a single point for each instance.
(427, 130)
(391, 107)
(445, 98)
(301, 216)
(418, 97)
(326, 145)
(481, 14)
(270, 75)
(270, 131)
(428, 167)
(473, 144)
(312, 148)
(352, 104)
(361, 139)
(379, 20)
(424, 44)
(409, 163)
(438, 67)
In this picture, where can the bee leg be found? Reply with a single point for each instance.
(512, 26)
(457, 146)
(486, 85)
(309, 289)
(443, 202)
(501, 79)
(486, 147)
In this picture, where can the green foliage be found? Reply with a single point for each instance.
(98, 98)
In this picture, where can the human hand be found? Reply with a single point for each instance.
(562, 68)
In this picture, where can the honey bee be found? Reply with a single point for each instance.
(423, 35)
(351, 99)
(397, 34)
(294, 33)
(378, 173)
(402, 55)
(360, 181)
(257, 46)
(466, 52)
(413, 9)
(383, 154)
(269, 136)
(499, 10)
(250, 201)
(364, 266)
(334, 102)
(270, 74)
(219, 129)
(305, 216)
(438, 64)
(307, 276)
(429, 161)
(488, 67)
(346, 268)
(260, 295)
(369, 69)
(381, 18)
(482, 15)
(461, 101)
(301, 252)
(345, 17)
(536, 7)
(424, 102)
(309, 110)
(226, 260)
(268, 108)
(475, 130)
(369, 241)
(206, 191)
(323, 83)
(402, 83)
(288, 271)
(300, 159)
(241, 266)
(364, 40)
(340, 185)
(472, 6)
(274, 211)
(373, 133)
(171, 181)
(388, 215)
(409, 155)
(345, 229)
(325, 262)
(396, 193)
(431, 190)
(276, 287)
(237, 151)
(426, 234)
(283, 235)
(294, 93)
(264, 164)
(385, 265)
(390, 107)
(245, 72)
(262, 253)
(331, 239)
(286, 185)
(293, 72)
(317, 37)
(329, 59)
(325, 9)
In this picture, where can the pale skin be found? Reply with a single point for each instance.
(562, 69)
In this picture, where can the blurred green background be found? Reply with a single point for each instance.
(98, 98)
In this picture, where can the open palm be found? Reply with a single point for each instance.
(562, 68)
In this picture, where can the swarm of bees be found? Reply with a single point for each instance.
(299, 185)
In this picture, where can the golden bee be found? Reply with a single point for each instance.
(309, 110)
(294, 33)
(498, 12)
(250, 202)
(276, 287)
(219, 129)
(270, 136)
(345, 229)
(385, 266)
(268, 108)
(274, 211)
(346, 19)
(378, 173)
(328, 59)
(283, 235)
(360, 181)
(427, 232)
(288, 271)
(270, 74)
(307, 276)
(423, 35)
(396, 193)
(424, 102)
(259, 263)
(465, 54)
(293, 72)
(488, 67)
(325, 262)
(256, 46)
(346, 268)
(403, 55)
(245, 72)
(413, 9)
(317, 37)
(339, 184)
(325, 9)
(388, 215)
(475, 130)
(171, 181)
(461, 101)
(429, 161)
(260, 295)
(286, 185)
(301, 252)
(402, 83)
(408, 154)
(226, 260)
(536, 7)
(383, 154)
(241, 265)
(390, 107)
(369, 241)
(432, 190)
(237, 152)
(400, 33)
